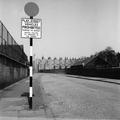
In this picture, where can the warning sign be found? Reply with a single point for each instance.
(31, 28)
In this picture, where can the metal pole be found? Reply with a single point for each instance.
(31, 72)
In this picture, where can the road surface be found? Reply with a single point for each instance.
(59, 96)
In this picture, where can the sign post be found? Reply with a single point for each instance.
(31, 28)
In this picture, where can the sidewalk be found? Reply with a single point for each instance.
(13, 102)
(114, 81)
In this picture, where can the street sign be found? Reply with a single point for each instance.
(31, 28)
(31, 9)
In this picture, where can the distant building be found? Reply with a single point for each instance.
(49, 64)
(61, 63)
(42, 64)
(55, 63)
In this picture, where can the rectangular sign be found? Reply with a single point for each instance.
(31, 28)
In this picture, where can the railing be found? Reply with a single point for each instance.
(113, 73)
(9, 47)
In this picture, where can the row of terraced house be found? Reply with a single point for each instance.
(52, 63)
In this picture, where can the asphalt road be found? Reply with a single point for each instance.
(70, 97)
(64, 97)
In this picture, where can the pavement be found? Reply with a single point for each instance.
(113, 81)
(14, 102)
(61, 97)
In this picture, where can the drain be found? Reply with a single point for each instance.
(26, 94)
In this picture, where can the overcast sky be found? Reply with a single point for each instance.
(70, 28)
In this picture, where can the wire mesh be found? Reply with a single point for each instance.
(9, 47)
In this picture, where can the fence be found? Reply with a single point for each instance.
(13, 60)
(9, 47)
(113, 73)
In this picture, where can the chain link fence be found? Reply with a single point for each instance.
(9, 47)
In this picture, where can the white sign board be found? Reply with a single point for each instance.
(31, 28)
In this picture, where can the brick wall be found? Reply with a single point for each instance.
(113, 73)
(10, 71)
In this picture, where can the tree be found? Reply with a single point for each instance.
(109, 56)
(108, 48)
(118, 58)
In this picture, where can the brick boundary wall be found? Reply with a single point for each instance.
(11, 71)
(113, 73)
(53, 71)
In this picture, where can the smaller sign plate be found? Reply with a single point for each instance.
(31, 28)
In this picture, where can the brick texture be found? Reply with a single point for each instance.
(10, 72)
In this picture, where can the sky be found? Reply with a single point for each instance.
(71, 28)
